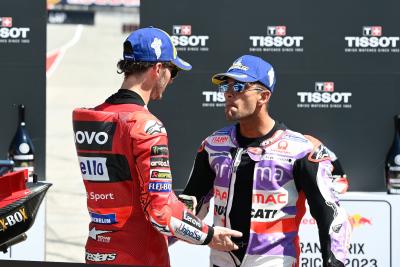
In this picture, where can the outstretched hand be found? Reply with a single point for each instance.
(222, 239)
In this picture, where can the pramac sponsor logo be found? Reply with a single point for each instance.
(267, 205)
(220, 194)
(269, 174)
(262, 197)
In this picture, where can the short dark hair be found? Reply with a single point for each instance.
(129, 67)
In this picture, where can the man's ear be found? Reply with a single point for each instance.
(156, 69)
(264, 97)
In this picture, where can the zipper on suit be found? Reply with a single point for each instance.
(236, 161)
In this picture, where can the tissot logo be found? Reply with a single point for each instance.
(324, 86)
(324, 96)
(9, 33)
(276, 30)
(213, 99)
(184, 40)
(94, 135)
(182, 29)
(276, 40)
(372, 40)
(372, 30)
(6, 22)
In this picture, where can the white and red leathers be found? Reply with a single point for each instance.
(260, 186)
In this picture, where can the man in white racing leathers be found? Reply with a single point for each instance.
(260, 174)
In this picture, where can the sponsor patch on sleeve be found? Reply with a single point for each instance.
(159, 150)
(160, 174)
(192, 220)
(320, 153)
(154, 127)
(159, 162)
(161, 187)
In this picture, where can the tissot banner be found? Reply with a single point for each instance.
(23, 73)
(23, 81)
(337, 79)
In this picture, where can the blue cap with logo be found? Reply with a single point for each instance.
(152, 45)
(249, 69)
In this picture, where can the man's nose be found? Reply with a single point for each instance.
(228, 94)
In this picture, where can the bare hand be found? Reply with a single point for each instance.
(222, 239)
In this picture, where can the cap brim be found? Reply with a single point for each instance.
(241, 77)
(181, 64)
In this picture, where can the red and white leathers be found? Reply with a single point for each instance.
(123, 156)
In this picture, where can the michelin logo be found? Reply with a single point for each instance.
(103, 218)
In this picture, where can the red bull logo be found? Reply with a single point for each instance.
(357, 220)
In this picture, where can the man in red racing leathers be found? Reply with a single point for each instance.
(124, 160)
(260, 173)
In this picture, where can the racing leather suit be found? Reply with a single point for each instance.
(123, 155)
(260, 187)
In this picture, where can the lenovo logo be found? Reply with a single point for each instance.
(94, 135)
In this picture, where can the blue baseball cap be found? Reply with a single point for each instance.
(152, 45)
(249, 69)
